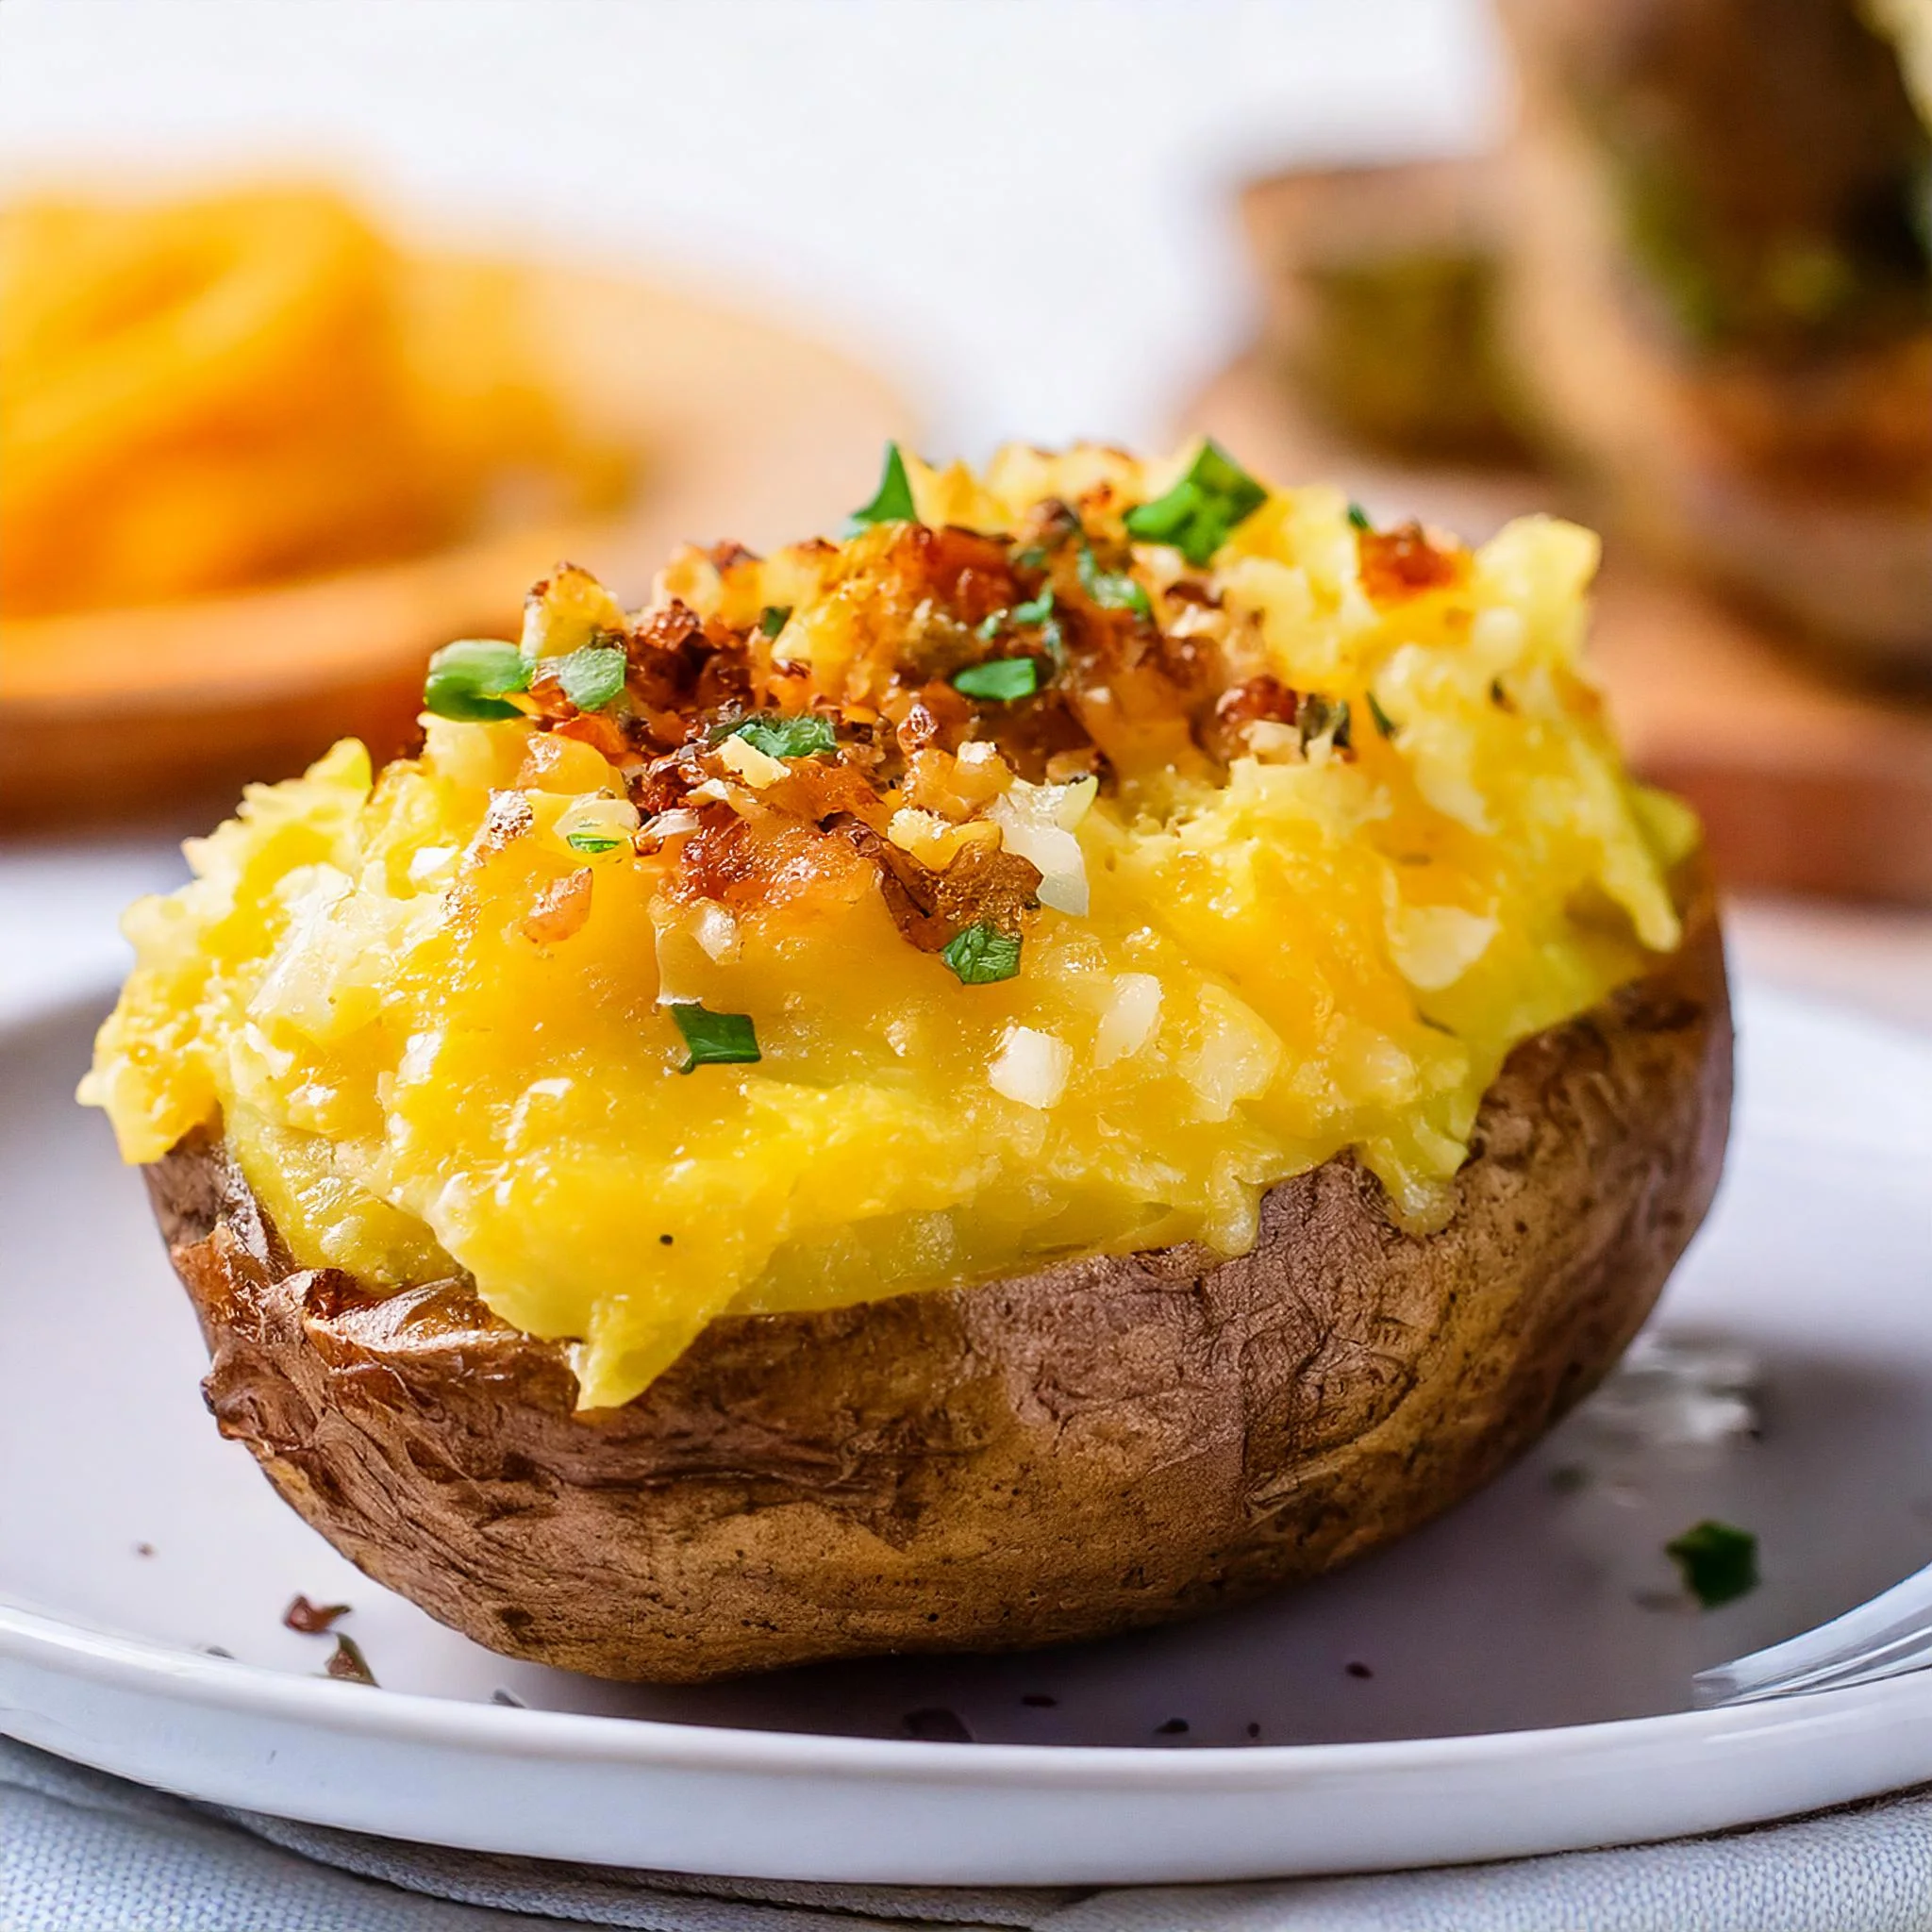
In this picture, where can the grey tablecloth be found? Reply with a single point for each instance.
(80, 1852)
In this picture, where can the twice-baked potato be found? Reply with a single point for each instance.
(1111, 1039)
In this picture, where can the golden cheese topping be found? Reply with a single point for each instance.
(1049, 867)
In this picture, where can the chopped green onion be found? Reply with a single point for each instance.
(1384, 723)
(589, 839)
(1000, 681)
(893, 504)
(773, 618)
(1112, 590)
(982, 954)
(716, 1038)
(591, 676)
(1359, 517)
(1196, 515)
(1718, 1562)
(1037, 610)
(990, 626)
(806, 735)
(1321, 716)
(1032, 558)
(469, 680)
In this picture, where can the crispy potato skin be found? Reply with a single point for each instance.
(1104, 1445)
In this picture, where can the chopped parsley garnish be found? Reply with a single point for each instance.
(808, 736)
(1036, 610)
(1359, 517)
(893, 504)
(1112, 590)
(1718, 1562)
(982, 954)
(773, 618)
(1196, 515)
(591, 676)
(1384, 723)
(716, 1038)
(1326, 718)
(589, 839)
(999, 681)
(470, 679)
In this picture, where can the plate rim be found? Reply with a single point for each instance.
(145, 1666)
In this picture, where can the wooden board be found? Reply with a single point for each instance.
(1804, 783)
(745, 431)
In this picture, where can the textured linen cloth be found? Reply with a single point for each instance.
(81, 1852)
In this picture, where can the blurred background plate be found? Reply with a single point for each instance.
(741, 429)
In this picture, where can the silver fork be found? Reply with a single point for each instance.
(1885, 1638)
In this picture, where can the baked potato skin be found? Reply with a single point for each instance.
(1104, 1445)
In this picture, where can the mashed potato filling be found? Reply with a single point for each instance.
(1081, 850)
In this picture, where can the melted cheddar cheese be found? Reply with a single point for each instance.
(1074, 885)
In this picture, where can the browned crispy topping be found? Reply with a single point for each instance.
(768, 780)
(1401, 563)
(560, 909)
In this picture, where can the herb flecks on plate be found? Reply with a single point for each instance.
(1716, 1560)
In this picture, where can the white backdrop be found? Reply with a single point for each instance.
(1020, 206)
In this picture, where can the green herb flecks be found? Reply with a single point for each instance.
(1037, 612)
(1384, 723)
(893, 504)
(592, 842)
(1320, 718)
(1197, 515)
(591, 676)
(804, 737)
(773, 618)
(1001, 681)
(716, 1038)
(469, 679)
(1112, 590)
(982, 954)
(1359, 517)
(1718, 1562)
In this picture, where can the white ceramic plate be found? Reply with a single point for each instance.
(1520, 1670)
